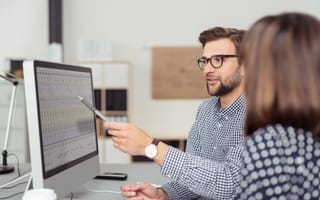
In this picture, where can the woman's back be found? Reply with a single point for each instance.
(281, 162)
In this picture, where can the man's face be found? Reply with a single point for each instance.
(223, 80)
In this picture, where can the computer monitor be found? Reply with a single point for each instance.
(62, 131)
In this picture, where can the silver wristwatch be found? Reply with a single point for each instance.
(152, 149)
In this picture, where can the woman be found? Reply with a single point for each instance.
(281, 56)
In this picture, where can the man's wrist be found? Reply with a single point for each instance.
(162, 194)
(151, 150)
(162, 152)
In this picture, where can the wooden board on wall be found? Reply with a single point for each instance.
(175, 74)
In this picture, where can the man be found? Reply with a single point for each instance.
(210, 166)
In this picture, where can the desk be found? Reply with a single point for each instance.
(136, 173)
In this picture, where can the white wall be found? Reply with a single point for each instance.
(23, 34)
(134, 27)
(24, 30)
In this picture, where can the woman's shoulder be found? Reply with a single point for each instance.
(280, 135)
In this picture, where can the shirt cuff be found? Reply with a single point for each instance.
(171, 192)
(173, 163)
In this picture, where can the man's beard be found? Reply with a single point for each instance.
(225, 88)
(222, 90)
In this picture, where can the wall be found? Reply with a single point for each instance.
(24, 34)
(24, 29)
(133, 27)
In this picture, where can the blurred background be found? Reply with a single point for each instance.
(117, 39)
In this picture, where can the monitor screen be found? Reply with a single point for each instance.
(62, 131)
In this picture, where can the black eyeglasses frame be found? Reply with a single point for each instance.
(201, 64)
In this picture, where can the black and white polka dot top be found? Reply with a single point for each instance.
(280, 163)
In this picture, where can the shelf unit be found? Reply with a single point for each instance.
(111, 81)
(112, 85)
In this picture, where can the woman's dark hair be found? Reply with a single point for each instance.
(281, 56)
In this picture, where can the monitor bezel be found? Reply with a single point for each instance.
(81, 159)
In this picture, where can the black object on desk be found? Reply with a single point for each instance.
(112, 176)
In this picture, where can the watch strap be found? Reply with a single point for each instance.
(155, 141)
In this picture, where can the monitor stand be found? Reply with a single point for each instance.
(29, 184)
(30, 187)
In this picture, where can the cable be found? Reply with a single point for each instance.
(7, 197)
(14, 180)
(24, 174)
(104, 191)
(118, 192)
(13, 186)
(18, 177)
(18, 165)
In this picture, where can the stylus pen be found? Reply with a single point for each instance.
(93, 109)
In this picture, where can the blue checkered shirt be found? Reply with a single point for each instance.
(210, 167)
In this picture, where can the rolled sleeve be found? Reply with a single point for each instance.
(204, 177)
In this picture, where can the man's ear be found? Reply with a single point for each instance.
(242, 71)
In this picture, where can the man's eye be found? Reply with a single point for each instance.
(216, 59)
(203, 60)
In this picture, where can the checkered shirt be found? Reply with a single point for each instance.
(210, 167)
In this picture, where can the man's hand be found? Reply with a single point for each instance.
(142, 191)
(132, 140)
(128, 138)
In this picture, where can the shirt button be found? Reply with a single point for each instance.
(219, 125)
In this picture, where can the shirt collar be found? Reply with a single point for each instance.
(239, 103)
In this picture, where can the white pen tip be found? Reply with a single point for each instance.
(80, 97)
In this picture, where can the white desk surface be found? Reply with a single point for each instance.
(137, 172)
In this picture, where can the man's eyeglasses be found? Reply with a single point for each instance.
(215, 61)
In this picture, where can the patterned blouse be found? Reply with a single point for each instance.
(281, 163)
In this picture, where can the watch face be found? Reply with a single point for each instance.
(151, 151)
